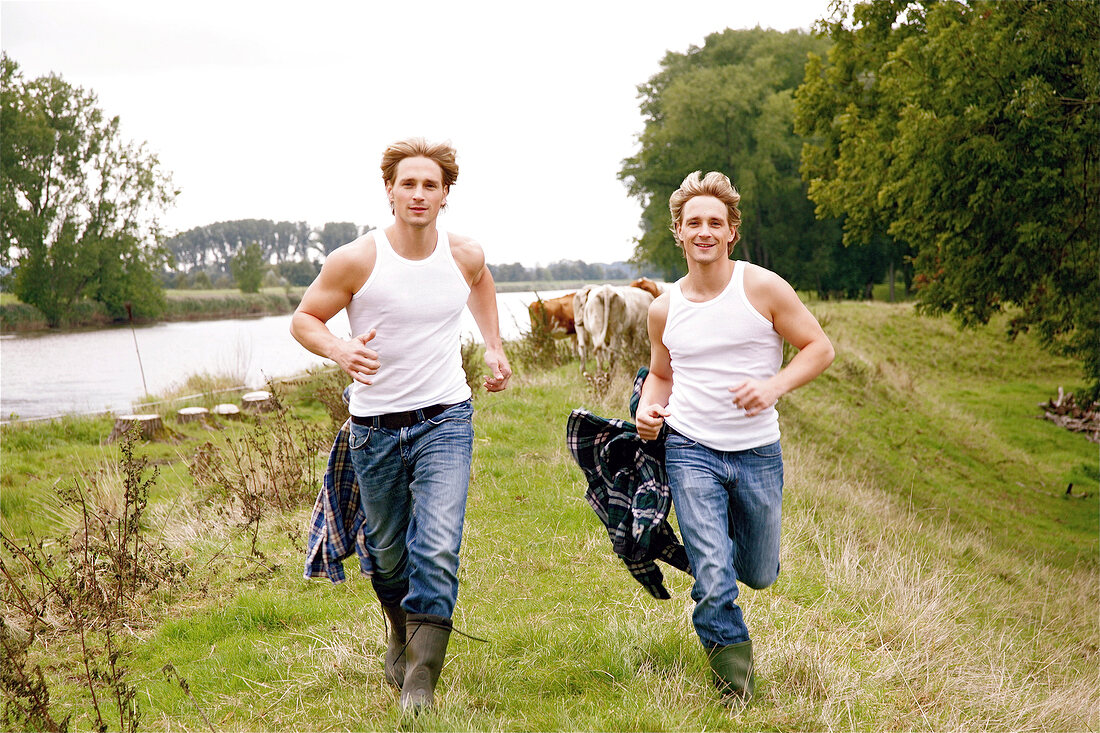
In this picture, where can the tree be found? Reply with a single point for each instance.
(971, 133)
(248, 268)
(335, 234)
(728, 106)
(78, 205)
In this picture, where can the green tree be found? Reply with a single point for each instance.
(78, 205)
(971, 133)
(248, 268)
(728, 106)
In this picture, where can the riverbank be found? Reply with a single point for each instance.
(207, 305)
(936, 573)
(181, 305)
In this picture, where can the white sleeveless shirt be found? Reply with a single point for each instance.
(415, 305)
(716, 345)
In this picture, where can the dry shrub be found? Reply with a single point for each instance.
(272, 466)
(84, 587)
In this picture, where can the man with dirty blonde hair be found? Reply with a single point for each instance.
(715, 374)
(714, 184)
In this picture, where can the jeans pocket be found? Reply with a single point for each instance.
(462, 412)
(676, 440)
(360, 436)
(772, 450)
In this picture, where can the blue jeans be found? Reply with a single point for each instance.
(728, 509)
(412, 485)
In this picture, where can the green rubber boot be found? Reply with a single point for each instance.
(395, 645)
(733, 669)
(427, 646)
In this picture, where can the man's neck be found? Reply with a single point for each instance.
(412, 243)
(706, 281)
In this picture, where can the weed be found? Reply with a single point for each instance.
(94, 580)
(273, 466)
(27, 705)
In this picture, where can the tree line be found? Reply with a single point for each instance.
(954, 145)
(949, 147)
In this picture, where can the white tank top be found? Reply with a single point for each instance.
(716, 345)
(415, 305)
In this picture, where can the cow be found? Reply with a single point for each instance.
(555, 313)
(614, 320)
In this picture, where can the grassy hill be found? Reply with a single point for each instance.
(935, 575)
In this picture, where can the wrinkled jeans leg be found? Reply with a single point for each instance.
(756, 514)
(728, 508)
(439, 453)
(384, 497)
(413, 484)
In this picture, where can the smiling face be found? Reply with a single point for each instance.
(417, 192)
(704, 230)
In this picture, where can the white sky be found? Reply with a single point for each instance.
(281, 111)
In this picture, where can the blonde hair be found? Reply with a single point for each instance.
(713, 184)
(417, 147)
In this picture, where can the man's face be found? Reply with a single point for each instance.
(417, 192)
(704, 230)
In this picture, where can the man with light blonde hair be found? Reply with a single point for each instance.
(404, 288)
(715, 375)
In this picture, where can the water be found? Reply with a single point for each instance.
(48, 374)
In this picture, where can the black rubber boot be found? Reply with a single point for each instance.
(395, 645)
(427, 646)
(733, 669)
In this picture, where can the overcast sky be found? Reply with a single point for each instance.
(281, 110)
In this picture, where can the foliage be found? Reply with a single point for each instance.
(970, 132)
(212, 247)
(336, 234)
(248, 268)
(299, 273)
(78, 205)
(728, 106)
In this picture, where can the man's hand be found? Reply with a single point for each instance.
(499, 371)
(353, 356)
(754, 396)
(650, 419)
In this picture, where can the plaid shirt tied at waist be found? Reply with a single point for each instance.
(336, 528)
(628, 489)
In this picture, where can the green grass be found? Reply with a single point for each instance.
(935, 574)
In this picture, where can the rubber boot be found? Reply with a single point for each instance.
(733, 669)
(395, 645)
(427, 646)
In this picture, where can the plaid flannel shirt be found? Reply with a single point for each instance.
(336, 528)
(628, 489)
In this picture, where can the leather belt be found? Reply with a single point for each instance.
(395, 420)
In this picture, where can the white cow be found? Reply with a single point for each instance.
(613, 319)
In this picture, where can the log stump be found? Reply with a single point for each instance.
(258, 401)
(228, 411)
(192, 414)
(148, 427)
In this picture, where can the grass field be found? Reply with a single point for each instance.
(936, 574)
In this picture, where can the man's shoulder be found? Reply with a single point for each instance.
(467, 252)
(352, 263)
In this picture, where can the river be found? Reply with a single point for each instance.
(82, 372)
